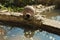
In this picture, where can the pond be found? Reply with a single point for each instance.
(16, 33)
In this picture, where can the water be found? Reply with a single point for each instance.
(16, 33)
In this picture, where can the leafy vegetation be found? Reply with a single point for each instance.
(17, 5)
(15, 9)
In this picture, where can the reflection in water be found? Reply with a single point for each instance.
(2, 33)
(8, 33)
(55, 15)
(29, 33)
(56, 18)
(26, 34)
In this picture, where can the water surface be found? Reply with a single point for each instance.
(16, 33)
